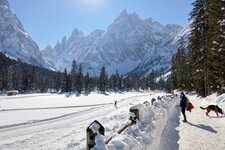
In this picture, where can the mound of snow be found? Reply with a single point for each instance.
(146, 134)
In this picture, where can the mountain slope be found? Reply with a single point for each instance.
(128, 42)
(14, 40)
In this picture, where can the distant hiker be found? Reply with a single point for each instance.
(183, 105)
(115, 103)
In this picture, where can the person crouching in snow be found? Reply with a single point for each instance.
(183, 105)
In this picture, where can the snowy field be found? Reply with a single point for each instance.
(52, 121)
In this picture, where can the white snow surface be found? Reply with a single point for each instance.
(202, 132)
(52, 121)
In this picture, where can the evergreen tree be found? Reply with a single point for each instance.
(179, 67)
(24, 84)
(73, 76)
(135, 80)
(20, 76)
(58, 81)
(102, 80)
(198, 49)
(161, 84)
(221, 47)
(65, 81)
(1, 75)
(216, 36)
(31, 79)
(206, 46)
(26, 78)
(127, 83)
(121, 84)
(80, 79)
(174, 72)
(115, 82)
(169, 85)
(10, 78)
(87, 83)
(152, 80)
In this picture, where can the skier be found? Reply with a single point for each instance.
(115, 103)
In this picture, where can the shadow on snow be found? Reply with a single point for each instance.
(204, 127)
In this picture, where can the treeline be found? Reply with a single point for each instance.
(200, 65)
(16, 75)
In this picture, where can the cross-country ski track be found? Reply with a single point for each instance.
(68, 131)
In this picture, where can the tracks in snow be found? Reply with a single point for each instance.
(76, 118)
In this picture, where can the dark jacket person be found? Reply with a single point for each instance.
(183, 105)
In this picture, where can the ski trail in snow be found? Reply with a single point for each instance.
(201, 132)
(65, 116)
(63, 107)
(23, 96)
(65, 129)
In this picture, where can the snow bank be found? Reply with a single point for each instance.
(146, 134)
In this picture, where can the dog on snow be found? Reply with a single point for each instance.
(214, 108)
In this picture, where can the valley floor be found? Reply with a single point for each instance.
(54, 122)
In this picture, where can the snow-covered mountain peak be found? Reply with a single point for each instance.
(64, 39)
(122, 16)
(4, 3)
(124, 23)
(14, 40)
(127, 42)
(148, 20)
(125, 19)
(76, 33)
(97, 33)
(135, 16)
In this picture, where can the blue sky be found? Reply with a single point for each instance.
(47, 21)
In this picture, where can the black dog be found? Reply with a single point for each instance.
(214, 108)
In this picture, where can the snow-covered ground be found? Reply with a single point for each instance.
(46, 121)
(202, 132)
(52, 121)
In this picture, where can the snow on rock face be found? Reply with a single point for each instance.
(128, 39)
(14, 40)
(4, 3)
